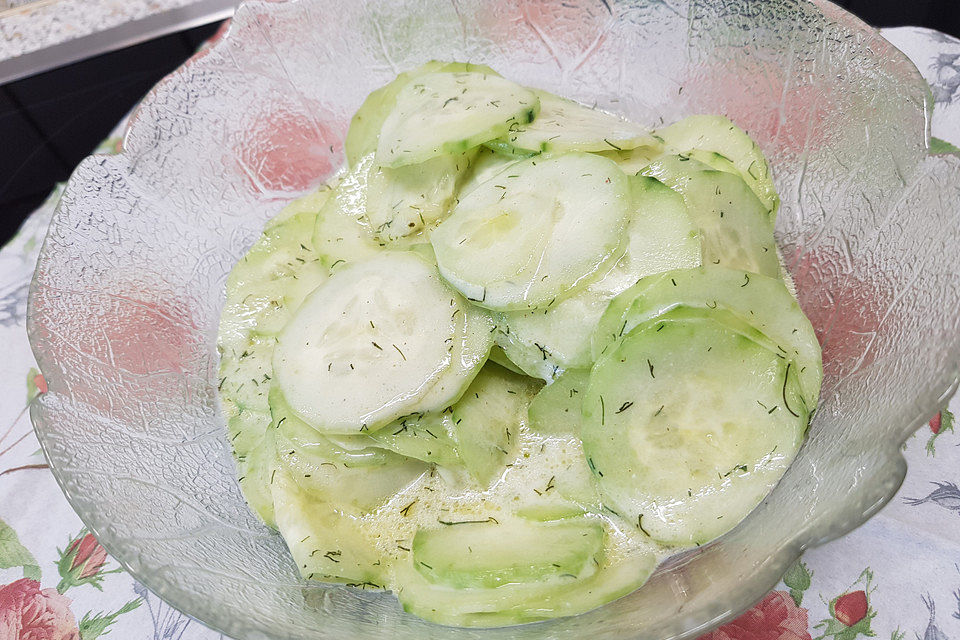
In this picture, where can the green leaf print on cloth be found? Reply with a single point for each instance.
(13, 554)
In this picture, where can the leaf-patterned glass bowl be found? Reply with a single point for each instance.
(129, 286)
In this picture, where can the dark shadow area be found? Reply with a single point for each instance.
(51, 121)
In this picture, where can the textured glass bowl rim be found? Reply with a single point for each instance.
(894, 466)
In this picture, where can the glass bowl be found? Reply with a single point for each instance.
(130, 282)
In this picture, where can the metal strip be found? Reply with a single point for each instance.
(124, 35)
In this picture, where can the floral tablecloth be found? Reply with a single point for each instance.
(896, 577)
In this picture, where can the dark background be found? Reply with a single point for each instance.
(51, 121)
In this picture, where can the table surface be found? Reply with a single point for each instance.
(895, 577)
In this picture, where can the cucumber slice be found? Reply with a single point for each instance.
(555, 410)
(469, 350)
(520, 242)
(429, 437)
(660, 237)
(353, 474)
(565, 125)
(300, 446)
(763, 303)
(325, 538)
(521, 602)
(311, 204)
(486, 165)
(492, 553)
(263, 290)
(366, 123)
(406, 200)
(719, 135)
(688, 424)
(487, 419)
(499, 357)
(633, 161)
(372, 342)
(341, 233)
(450, 113)
(735, 227)
(269, 281)
(253, 448)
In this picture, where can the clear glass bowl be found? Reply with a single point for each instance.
(128, 289)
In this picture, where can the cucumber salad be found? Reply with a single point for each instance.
(517, 353)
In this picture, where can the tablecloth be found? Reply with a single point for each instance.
(896, 577)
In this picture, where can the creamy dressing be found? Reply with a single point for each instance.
(543, 469)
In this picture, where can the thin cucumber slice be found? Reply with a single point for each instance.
(487, 419)
(341, 233)
(253, 448)
(764, 303)
(485, 166)
(521, 602)
(450, 113)
(499, 357)
(269, 281)
(300, 446)
(736, 230)
(246, 377)
(368, 345)
(429, 437)
(564, 487)
(404, 201)
(493, 553)
(633, 161)
(660, 237)
(565, 125)
(264, 289)
(469, 351)
(688, 424)
(719, 135)
(310, 204)
(520, 242)
(358, 478)
(325, 538)
(555, 410)
(366, 123)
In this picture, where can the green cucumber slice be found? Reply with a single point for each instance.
(325, 538)
(300, 445)
(371, 343)
(441, 113)
(253, 448)
(660, 237)
(719, 135)
(353, 474)
(409, 199)
(429, 437)
(499, 357)
(633, 161)
(365, 126)
(487, 419)
(311, 203)
(688, 424)
(555, 410)
(264, 289)
(520, 242)
(736, 230)
(493, 553)
(763, 303)
(485, 166)
(565, 125)
(521, 602)
(270, 280)
(341, 233)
